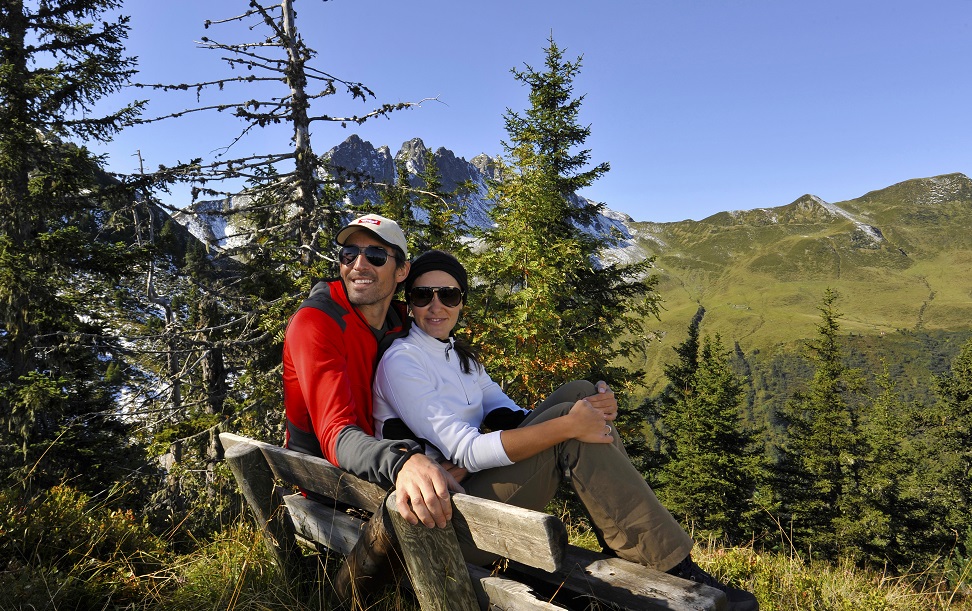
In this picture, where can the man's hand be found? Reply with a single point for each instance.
(422, 492)
(604, 401)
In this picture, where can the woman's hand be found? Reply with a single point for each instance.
(454, 470)
(605, 401)
(589, 423)
(582, 422)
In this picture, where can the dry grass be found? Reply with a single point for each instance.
(62, 560)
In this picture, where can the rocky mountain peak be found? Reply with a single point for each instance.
(486, 165)
(359, 156)
(413, 152)
(862, 219)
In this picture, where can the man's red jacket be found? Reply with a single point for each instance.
(329, 359)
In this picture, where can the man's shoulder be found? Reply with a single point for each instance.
(328, 296)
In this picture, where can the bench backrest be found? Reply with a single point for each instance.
(529, 537)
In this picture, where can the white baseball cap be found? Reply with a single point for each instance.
(383, 228)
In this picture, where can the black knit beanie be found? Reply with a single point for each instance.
(437, 260)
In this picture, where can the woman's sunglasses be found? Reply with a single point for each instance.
(421, 296)
(375, 255)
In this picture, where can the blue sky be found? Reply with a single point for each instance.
(699, 106)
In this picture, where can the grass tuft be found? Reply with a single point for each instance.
(64, 550)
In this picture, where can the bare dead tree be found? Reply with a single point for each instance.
(279, 56)
(214, 360)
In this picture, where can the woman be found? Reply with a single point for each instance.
(432, 387)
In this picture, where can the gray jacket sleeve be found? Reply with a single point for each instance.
(377, 461)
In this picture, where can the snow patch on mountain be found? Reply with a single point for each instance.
(869, 230)
(941, 189)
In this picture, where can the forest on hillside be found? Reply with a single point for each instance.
(128, 345)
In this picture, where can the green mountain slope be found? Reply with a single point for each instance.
(901, 257)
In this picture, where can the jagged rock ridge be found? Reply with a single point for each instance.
(359, 157)
(369, 166)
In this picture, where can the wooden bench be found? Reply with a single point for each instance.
(543, 571)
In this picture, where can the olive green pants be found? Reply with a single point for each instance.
(628, 517)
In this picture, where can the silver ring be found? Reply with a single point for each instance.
(608, 429)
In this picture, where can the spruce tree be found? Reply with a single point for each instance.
(279, 84)
(59, 369)
(443, 226)
(226, 305)
(713, 466)
(213, 351)
(681, 372)
(396, 203)
(548, 309)
(946, 443)
(881, 523)
(648, 441)
(818, 472)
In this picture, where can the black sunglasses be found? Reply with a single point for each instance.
(376, 255)
(421, 296)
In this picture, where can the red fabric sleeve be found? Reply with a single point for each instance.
(318, 365)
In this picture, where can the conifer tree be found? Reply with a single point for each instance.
(649, 449)
(279, 85)
(880, 522)
(681, 373)
(548, 309)
(57, 416)
(444, 225)
(713, 466)
(820, 455)
(215, 356)
(235, 296)
(396, 203)
(946, 486)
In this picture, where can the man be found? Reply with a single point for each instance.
(331, 350)
(330, 353)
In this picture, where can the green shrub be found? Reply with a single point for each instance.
(63, 548)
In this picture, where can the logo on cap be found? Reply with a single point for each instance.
(363, 221)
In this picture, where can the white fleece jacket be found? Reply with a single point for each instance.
(419, 380)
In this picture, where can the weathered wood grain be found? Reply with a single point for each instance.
(335, 530)
(626, 584)
(499, 593)
(530, 537)
(265, 499)
(438, 573)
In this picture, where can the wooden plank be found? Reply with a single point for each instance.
(255, 480)
(501, 594)
(529, 537)
(315, 474)
(626, 584)
(435, 565)
(231, 439)
(317, 522)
